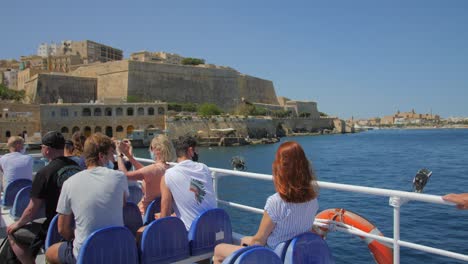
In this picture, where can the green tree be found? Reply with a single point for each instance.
(323, 114)
(192, 61)
(9, 94)
(208, 109)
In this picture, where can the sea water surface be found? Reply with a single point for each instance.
(379, 158)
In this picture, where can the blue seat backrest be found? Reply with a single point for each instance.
(20, 203)
(153, 208)
(259, 255)
(308, 248)
(12, 189)
(233, 257)
(135, 194)
(164, 241)
(132, 217)
(53, 236)
(209, 229)
(114, 244)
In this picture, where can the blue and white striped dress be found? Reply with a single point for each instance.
(291, 219)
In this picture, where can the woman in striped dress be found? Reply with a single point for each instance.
(291, 210)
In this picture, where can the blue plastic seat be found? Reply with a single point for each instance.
(153, 208)
(53, 236)
(114, 244)
(259, 255)
(209, 229)
(308, 248)
(132, 217)
(135, 194)
(20, 203)
(164, 241)
(12, 189)
(233, 257)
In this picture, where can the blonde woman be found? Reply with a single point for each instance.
(162, 152)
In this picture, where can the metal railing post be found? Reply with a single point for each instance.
(396, 203)
(215, 186)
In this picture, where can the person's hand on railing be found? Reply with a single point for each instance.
(461, 199)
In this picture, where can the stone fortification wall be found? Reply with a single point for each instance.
(112, 78)
(49, 88)
(178, 83)
(244, 126)
(257, 90)
(148, 81)
(304, 124)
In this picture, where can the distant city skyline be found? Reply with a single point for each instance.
(354, 58)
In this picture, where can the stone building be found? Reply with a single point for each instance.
(161, 57)
(115, 120)
(18, 119)
(46, 88)
(404, 118)
(34, 62)
(144, 81)
(91, 51)
(299, 107)
(10, 78)
(63, 63)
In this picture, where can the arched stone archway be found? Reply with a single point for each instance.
(130, 129)
(87, 131)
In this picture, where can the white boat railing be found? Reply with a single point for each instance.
(396, 200)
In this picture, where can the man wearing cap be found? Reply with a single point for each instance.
(26, 238)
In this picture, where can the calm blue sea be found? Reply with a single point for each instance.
(379, 158)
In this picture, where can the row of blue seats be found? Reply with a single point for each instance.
(164, 240)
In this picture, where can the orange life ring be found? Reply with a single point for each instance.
(382, 254)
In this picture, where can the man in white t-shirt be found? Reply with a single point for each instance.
(93, 198)
(187, 187)
(15, 165)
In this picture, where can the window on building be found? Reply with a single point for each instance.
(86, 112)
(64, 112)
(119, 129)
(141, 111)
(130, 111)
(97, 129)
(151, 111)
(119, 111)
(75, 129)
(52, 114)
(75, 113)
(160, 110)
(87, 131)
(64, 130)
(97, 112)
(108, 111)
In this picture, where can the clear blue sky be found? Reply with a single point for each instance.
(354, 58)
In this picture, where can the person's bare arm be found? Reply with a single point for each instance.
(64, 225)
(461, 199)
(124, 148)
(166, 199)
(264, 231)
(28, 215)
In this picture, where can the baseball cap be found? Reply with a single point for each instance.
(54, 140)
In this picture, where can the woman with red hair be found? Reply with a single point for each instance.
(291, 210)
